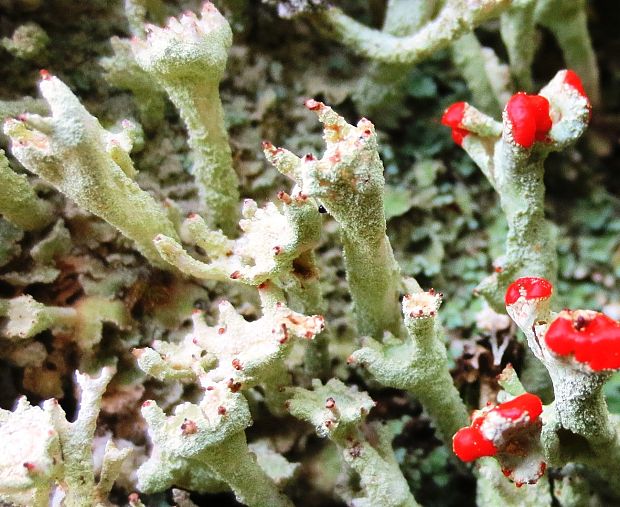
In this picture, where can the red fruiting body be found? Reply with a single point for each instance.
(530, 288)
(469, 445)
(572, 79)
(515, 408)
(529, 116)
(452, 117)
(593, 338)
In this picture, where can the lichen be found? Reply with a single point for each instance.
(270, 315)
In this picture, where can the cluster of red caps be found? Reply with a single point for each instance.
(528, 115)
(470, 443)
(592, 338)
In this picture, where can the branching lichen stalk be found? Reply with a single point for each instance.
(517, 26)
(210, 434)
(419, 364)
(337, 412)
(569, 24)
(381, 89)
(514, 167)
(485, 82)
(233, 464)
(456, 18)
(188, 58)
(578, 427)
(74, 153)
(349, 181)
(201, 109)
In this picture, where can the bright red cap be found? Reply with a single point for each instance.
(593, 338)
(572, 79)
(469, 445)
(530, 288)
(452, 117)
(515, 408)
(529, 116)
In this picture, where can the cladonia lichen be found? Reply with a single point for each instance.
(203, 302)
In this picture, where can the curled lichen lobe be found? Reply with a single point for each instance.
(591, 337)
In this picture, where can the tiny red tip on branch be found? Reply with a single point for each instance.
(313, 105)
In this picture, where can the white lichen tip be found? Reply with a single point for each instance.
(331, 408)
(33, 460)
(339, 135)
(235, 352)
(422, 305)
(248, 351)
(193, 428)
(350, 159)
(188, 25)
(273, 237)
(186, 45)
